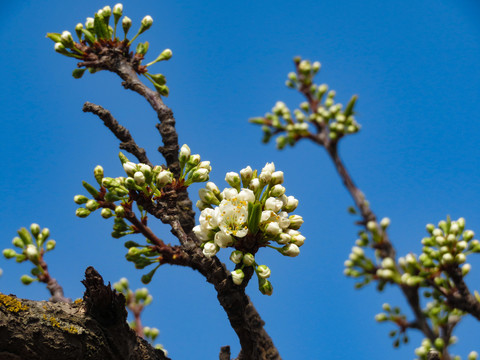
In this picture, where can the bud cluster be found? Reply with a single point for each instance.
(97, 34)
(252, 213)
(33, 245)
(320, 110)
(192, 168)
(136, 301)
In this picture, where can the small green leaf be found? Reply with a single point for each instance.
(78, 73)
(100, 28)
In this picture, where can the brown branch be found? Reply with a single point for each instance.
(463, 298)
(224, 353)
(122, 134)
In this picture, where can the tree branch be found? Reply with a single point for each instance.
(122, 134)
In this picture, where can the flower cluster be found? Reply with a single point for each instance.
(252, 213)
(320, 110)
(33, 246)
(116, 197)
(97, 35)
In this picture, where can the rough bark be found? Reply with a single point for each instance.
(94, 328)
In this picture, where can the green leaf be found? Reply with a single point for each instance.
(349, 109)
(254, 216)
(90, 189)
(56, 37)
(100, 28)
(78, 73)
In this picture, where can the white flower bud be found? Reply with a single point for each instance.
(273, 204)
(298, 240)
(236, 256)
(254, 184)
(284, 239)
(273, 229)
(130, 168)
(388, 263)
(212, 187)
(118, 10)
(147, 22)
(67, 38)
(210, 249)
(291, 250)
(277, 190)
(31, 252)
(164, 177)
(466, 269)
(372, 226)
(184, 153)
(107, 11)
(291, 205)
(200, 175)
(246, 174)
(269, 167)
(139, 178)
(385, 222)
(263, 271)
(460, 258)
(89, 23)
(358, 251)
(437, 232)
(248, 259)
(473, 355)
(233, 179)
(223, 240)
(277, 178)
(296, 221)
(447, 258)
(237, 276)
(265, 177)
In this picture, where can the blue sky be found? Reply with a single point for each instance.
(414, 65)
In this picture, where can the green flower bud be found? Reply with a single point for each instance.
(92, 205)
(80, 199)
(385, 222)
(82, 212)
(466, 269)
(141, 294)
(106, 213)
(154, 332)
(165, 55)
(233, 179)
(381, 317)
(67, 39)
(304, 66)
(51, 245)
(31, 253)
(208, 197)
(473, 355)
(25, 236)
(265, 287)
(98, 173)
(439, 343)
(9, 253)
(148, 300)
(55, 37)
(236, 256)
(26, 280)
(18, 242)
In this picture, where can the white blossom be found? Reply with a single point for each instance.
(291, 250)
(210, 249)
(223, 240)
(273, 204)
(237, 276)
(263, 271)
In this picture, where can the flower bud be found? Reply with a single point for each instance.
(118, 10)
(92, 205)
(139, 178)
(466, 269)
(265, 287)
(447, 258)
(388, 263)
(468, 235)
(89, 24)
(210, 249)
(223, 240)
(200, 175)
(236, 256)
(254, 185)
(291, 205)
(277, 190)
(26, 280)
(165, 55)
(9, 253)
(385, 222)
(233, 179)
(284, 239)
(381, 317)
(473, 355)
(296, 221)
(237, 276)
(291, 250)
(106, 213)
(277, 178)
(460, 258)
(263, 271)
(372, 226)
(146, 23)
(98, 173)
(80, 199)
(120, 211)
(298, 240)
(246, 175)
(184, 154)
(106, 11)
(130, 168)
(273, 229)
(51, 245)
(82, 212)
(126, 24)
(67, 39)
(273, 204)
(18, 242)
(31, 252)
(248, 259)
(165, 177)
